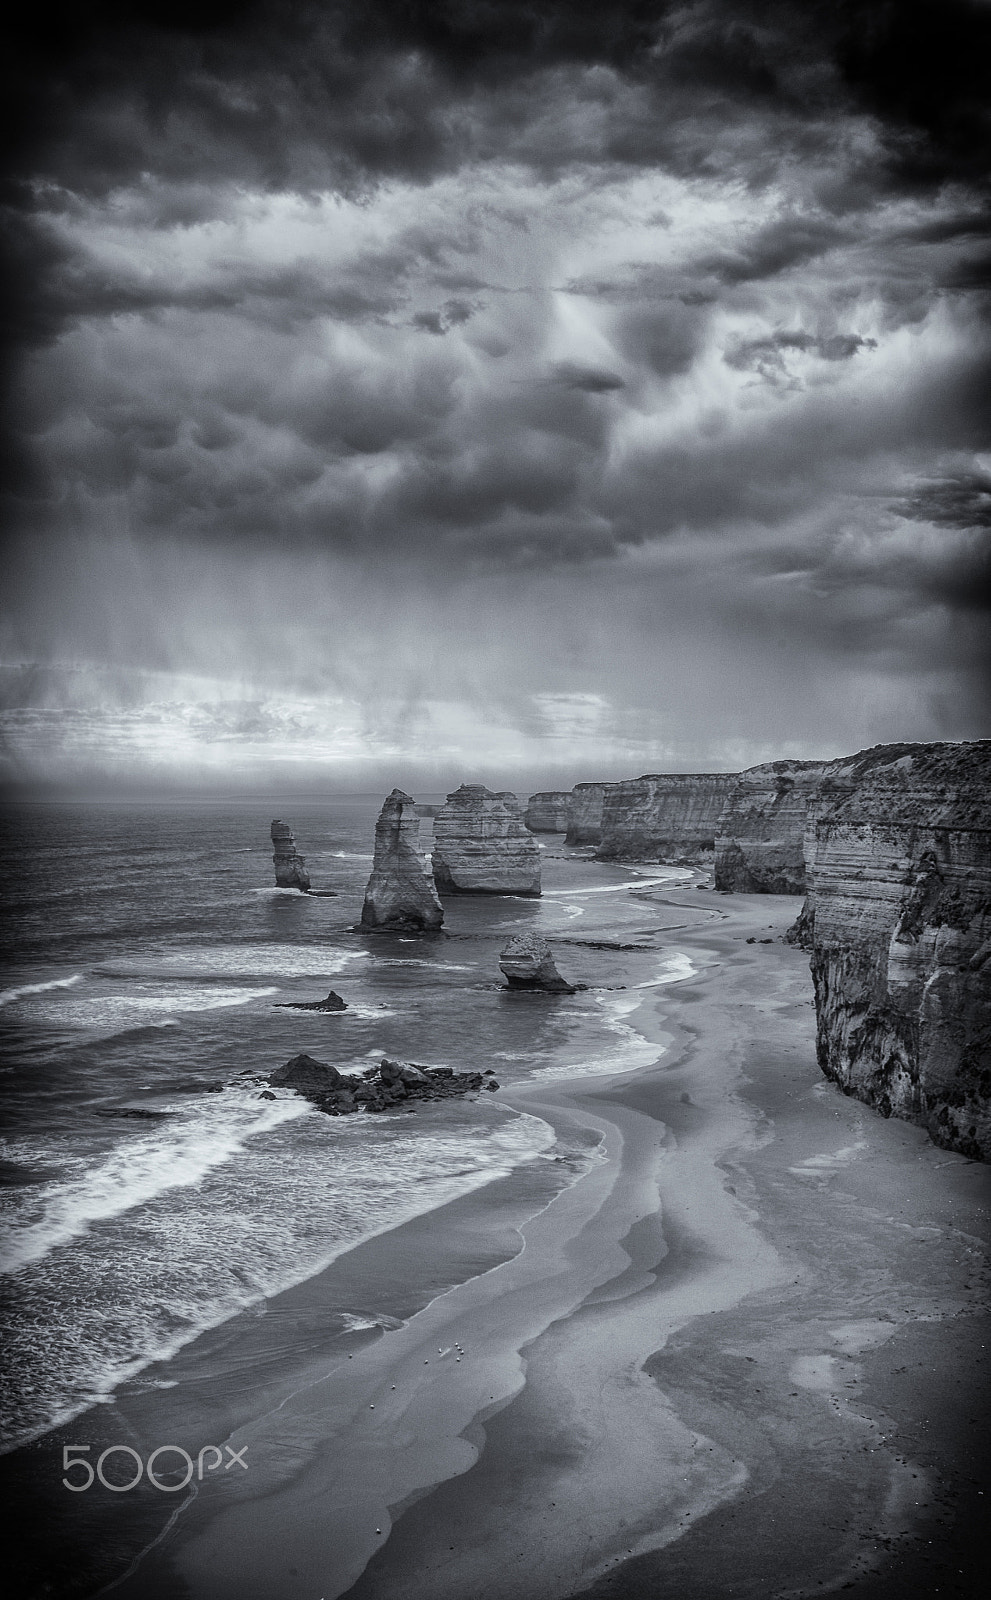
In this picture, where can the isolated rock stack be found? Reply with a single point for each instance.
(400, 895)
(290, 867)
(527, 963)
(481, 845)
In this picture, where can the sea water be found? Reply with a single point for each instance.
(146, 954)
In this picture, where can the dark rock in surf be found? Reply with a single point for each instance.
(333, 1002)
(389, 1086)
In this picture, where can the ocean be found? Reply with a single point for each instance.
(148, 1192)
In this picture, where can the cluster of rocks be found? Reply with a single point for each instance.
(387, 1086)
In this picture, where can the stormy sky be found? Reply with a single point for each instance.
(417, 391)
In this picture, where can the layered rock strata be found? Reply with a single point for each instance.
(898, 918)
(527, 963)
(585, 814)
(481, 845)
(664, 817)
(400, 896)
(390, 1085)
(290, 867)
(549, 811)
(760, 836)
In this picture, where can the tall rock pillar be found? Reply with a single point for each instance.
(400, 896)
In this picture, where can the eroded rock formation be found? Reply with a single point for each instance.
(333, 1002)
(290, 867)
(400, 896)
(390, 1085)
(585, 817)
(671, 817)
(481, 845)
(549, 811)
(898, 918)
(527, 963)
(761, 832)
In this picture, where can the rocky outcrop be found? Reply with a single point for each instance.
(390, 1085)
(761, 833)
(898, 918)
(333, 1002)
(400, 896)
(585, 816)
(290, 868)
(527, 963)
(549, 811)
(664, 817)
(481, 845)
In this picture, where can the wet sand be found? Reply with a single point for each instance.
(737, 1357)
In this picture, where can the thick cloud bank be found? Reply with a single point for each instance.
(422, 391)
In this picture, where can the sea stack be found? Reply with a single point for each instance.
(481, 845)
(549, 811)
(898, 918)
(527, 963)
(290, 868)
(585, 813)
(400, 896)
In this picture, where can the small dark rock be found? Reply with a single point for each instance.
(333, 1002)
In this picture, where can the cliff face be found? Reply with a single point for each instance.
(400, 893)
(290, 867)
(664, 817)
(760, 837)
(481, 845)
(585, 816)
(898, 918)
(549, 811)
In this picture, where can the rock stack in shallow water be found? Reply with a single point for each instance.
(898, 919)
(400, 896)
(481, 845)
(290, 868)
(527, 963)
(761, 832)
(388, 1086)
(549, 811)
(664, 817)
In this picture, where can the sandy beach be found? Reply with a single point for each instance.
(740, 1355)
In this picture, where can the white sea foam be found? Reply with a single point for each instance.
(643, 880)
(173, 1157)
(237, 961)
(676, 969)
(8, 996)
(109, 1014)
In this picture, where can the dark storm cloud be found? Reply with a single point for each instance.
(539, 340)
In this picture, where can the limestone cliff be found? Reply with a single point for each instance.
(664, 817)
(899, 921)
(549, 811)
(585, 817)
(290, 867)
(481, 845)
(400, 893)
(760, 836)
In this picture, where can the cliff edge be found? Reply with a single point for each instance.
(898, 919)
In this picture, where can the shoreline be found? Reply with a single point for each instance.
(602, 1424)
